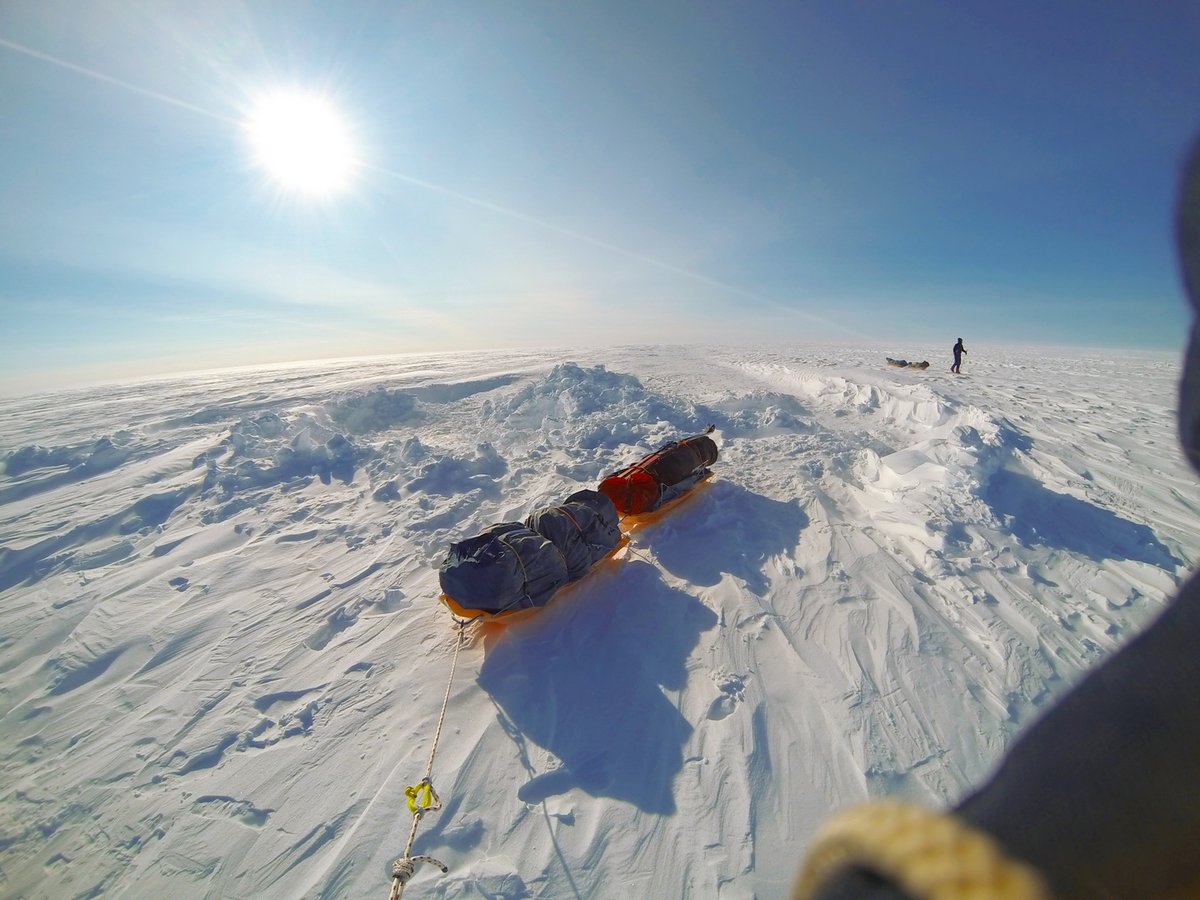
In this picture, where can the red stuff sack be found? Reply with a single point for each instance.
(639, 488)
(632, 490)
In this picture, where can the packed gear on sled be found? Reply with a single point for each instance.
(662, 475)
(583, 529)
(513, 566)
(508, 566)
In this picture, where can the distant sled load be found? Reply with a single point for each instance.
(905, 364)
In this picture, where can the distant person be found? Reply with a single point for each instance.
(958, 350)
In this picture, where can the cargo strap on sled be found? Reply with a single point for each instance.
(422, 798)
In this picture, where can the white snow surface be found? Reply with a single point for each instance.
(222, 657)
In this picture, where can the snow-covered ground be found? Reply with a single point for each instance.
(222, 658)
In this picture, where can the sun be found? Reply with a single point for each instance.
(302, 142)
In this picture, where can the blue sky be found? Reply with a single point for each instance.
(591, 173)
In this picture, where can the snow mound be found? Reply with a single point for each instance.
(377, 410)
(590, 409)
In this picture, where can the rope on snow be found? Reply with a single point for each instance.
(422, 798)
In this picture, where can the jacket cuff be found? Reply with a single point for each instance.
(928, 855)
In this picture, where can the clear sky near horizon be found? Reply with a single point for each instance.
(554, 174)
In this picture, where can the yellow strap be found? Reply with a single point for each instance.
(930, 855)
(422, 798)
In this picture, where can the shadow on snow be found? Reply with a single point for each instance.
(1037, 515)
(585, 680)
(726, 529)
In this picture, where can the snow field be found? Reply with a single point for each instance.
(221, 659)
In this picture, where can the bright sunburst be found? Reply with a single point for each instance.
(302, 142)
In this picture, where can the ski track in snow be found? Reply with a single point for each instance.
(221, 659)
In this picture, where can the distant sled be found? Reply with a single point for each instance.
(905, 364)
